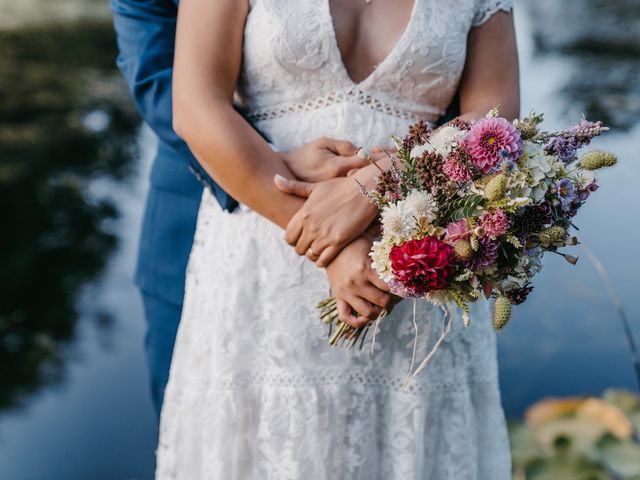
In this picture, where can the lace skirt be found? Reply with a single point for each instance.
(255, 391)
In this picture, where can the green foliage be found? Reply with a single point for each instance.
(506, 204)
(469, 206)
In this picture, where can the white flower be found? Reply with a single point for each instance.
(397, 220)
(534, 173)
(538, 193)
(511, 282)
(380, 261)
(418, 150)
(586, 177)
(582, 177)
(526, 268)
(445, 139)
(422, 205)
(536, 163)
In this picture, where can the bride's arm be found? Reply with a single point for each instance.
(206, 67)
(491, 76)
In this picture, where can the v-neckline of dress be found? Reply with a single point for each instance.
(392, 53)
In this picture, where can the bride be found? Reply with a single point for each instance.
(255, 392)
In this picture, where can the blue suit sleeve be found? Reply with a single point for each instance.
(146, 34)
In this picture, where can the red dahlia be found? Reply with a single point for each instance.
(423, 265)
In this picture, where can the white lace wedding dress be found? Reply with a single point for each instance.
(255, 392)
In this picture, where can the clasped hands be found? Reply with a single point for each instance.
(331, 227)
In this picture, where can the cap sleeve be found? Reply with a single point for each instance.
(485, 9)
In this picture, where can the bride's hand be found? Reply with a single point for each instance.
(323, 159)
(356, 285)
(334, 214)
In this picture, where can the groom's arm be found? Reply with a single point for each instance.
(145, 32)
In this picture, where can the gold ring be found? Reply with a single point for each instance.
(313, 254)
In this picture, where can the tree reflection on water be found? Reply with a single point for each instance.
(603, 38)
(65, 119)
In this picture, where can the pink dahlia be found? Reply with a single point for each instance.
(495, 223)
(455, 168)
(422, 265)
(457, 231)
(492, 140)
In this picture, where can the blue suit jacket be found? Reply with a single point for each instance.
(146, 35)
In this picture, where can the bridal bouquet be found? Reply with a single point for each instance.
(469, 209)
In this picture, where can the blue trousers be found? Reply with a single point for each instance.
(163, 319)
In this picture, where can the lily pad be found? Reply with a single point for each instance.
(551, 409)
(578, 439)
(566, 468)
(608, 415)
(626, 401)
(620, 456)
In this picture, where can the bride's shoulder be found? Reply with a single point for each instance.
(485, 9)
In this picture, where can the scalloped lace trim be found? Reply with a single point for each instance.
(489, 8)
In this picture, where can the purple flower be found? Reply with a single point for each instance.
(545, 208)
(531, 247)
(486, 254)
(569, 141)
(585, 130)
(533, 218)
(582, 196)
(564, 147)
(565, 191)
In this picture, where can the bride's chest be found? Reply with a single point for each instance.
(290, 46)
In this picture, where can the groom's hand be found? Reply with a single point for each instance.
(334, 214)
(323, 159)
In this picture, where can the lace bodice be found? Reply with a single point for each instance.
(292, 62)
(255, 391)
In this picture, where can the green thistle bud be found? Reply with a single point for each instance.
(462, 249)
(527, 130)
(496, 187)
(553, 235)
(501, 312)
(597, 159)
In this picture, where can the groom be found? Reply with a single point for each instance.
(146, 34)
